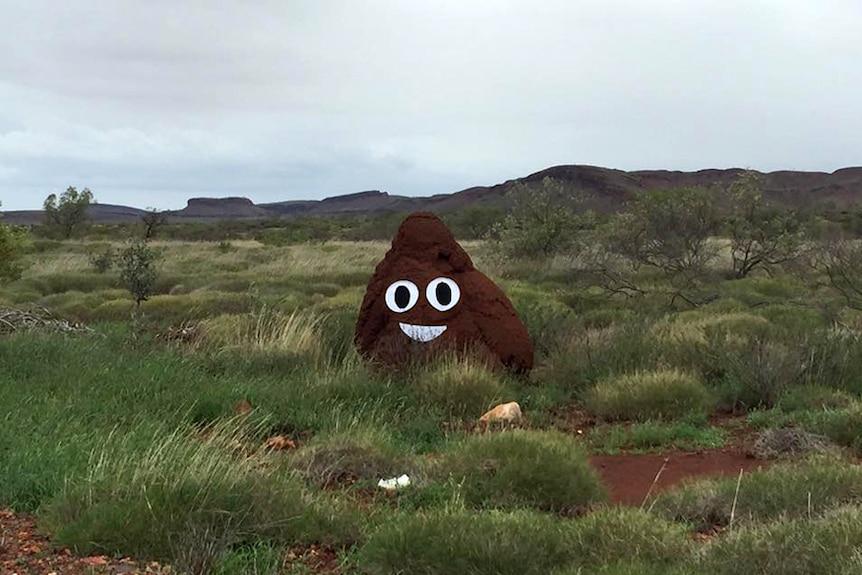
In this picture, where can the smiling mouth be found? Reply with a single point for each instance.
(423, 333)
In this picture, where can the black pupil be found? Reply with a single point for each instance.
(402, 296)
(444, 294)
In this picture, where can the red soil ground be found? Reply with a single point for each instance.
(631, 478)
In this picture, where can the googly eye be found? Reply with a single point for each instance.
(443, 294)
(401, 296)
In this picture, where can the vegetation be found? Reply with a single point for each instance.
(67, 213)
(137, 271)
(12, 244)
(238, 429)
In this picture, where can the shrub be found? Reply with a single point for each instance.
(459, 542)
(828, 546)
(12, 245)
(544, 470)
(618, 534)
(781, 491)
(592, 354)
(102, 261)
(137, 270)
(460, 386)
(843, 426)
(811, 397)
(348, 456)
(663, 394)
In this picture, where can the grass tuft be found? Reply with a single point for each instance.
(542, 470)
(664, 394)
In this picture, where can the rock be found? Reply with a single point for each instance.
(426, 297)
(506, 413)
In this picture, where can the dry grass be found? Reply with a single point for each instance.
(266, 331)
(691, 326)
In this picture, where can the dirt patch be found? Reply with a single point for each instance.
(24, 550)
(629, 477)
(426, 297)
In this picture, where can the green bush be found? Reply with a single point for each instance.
(827, 546)
(102, 261)
(460, 387)
(811, 397)
(781, 491)
(620, 534)
(842, 426)
(664, 394)
(542, 470)
(459, 542)
(592, 354)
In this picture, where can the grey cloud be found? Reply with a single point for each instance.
(415, 97)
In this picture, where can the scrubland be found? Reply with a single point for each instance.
(130, 440)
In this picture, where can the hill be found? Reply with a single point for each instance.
(606, 189)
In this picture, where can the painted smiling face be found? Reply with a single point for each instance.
(426, 297)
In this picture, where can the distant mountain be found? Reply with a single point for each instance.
(606, 190)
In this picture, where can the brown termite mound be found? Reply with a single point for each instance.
(426, 298)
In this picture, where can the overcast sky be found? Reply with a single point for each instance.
(149, 103)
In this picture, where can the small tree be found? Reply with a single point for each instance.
(69, 212)
(12, 242)
(153, 219)
(760, 236)
(541, 223)
(668, 230)
(840, 260)
(137, 271)
(473, 222)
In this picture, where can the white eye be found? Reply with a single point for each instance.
(401, 295)
(443, 294)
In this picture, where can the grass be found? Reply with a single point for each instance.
(663, 394)
(799, 489)
(828, 545)
(187, 496)
(462, 387)
(547, 471)
(654, 435)
(123, 443)
(458, 541)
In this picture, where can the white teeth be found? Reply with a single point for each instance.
(423, 333)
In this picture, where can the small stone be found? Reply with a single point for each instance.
(505, 412)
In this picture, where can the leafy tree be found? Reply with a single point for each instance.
(541, 223)
(69, 212)
(473, 222)
(12, 242)
(668, 230)
(760, 236)
(137, 270)
(153, 219)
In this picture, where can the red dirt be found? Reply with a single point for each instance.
(23, 550)
(629, 478)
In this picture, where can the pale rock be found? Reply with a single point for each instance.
(506, 413)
